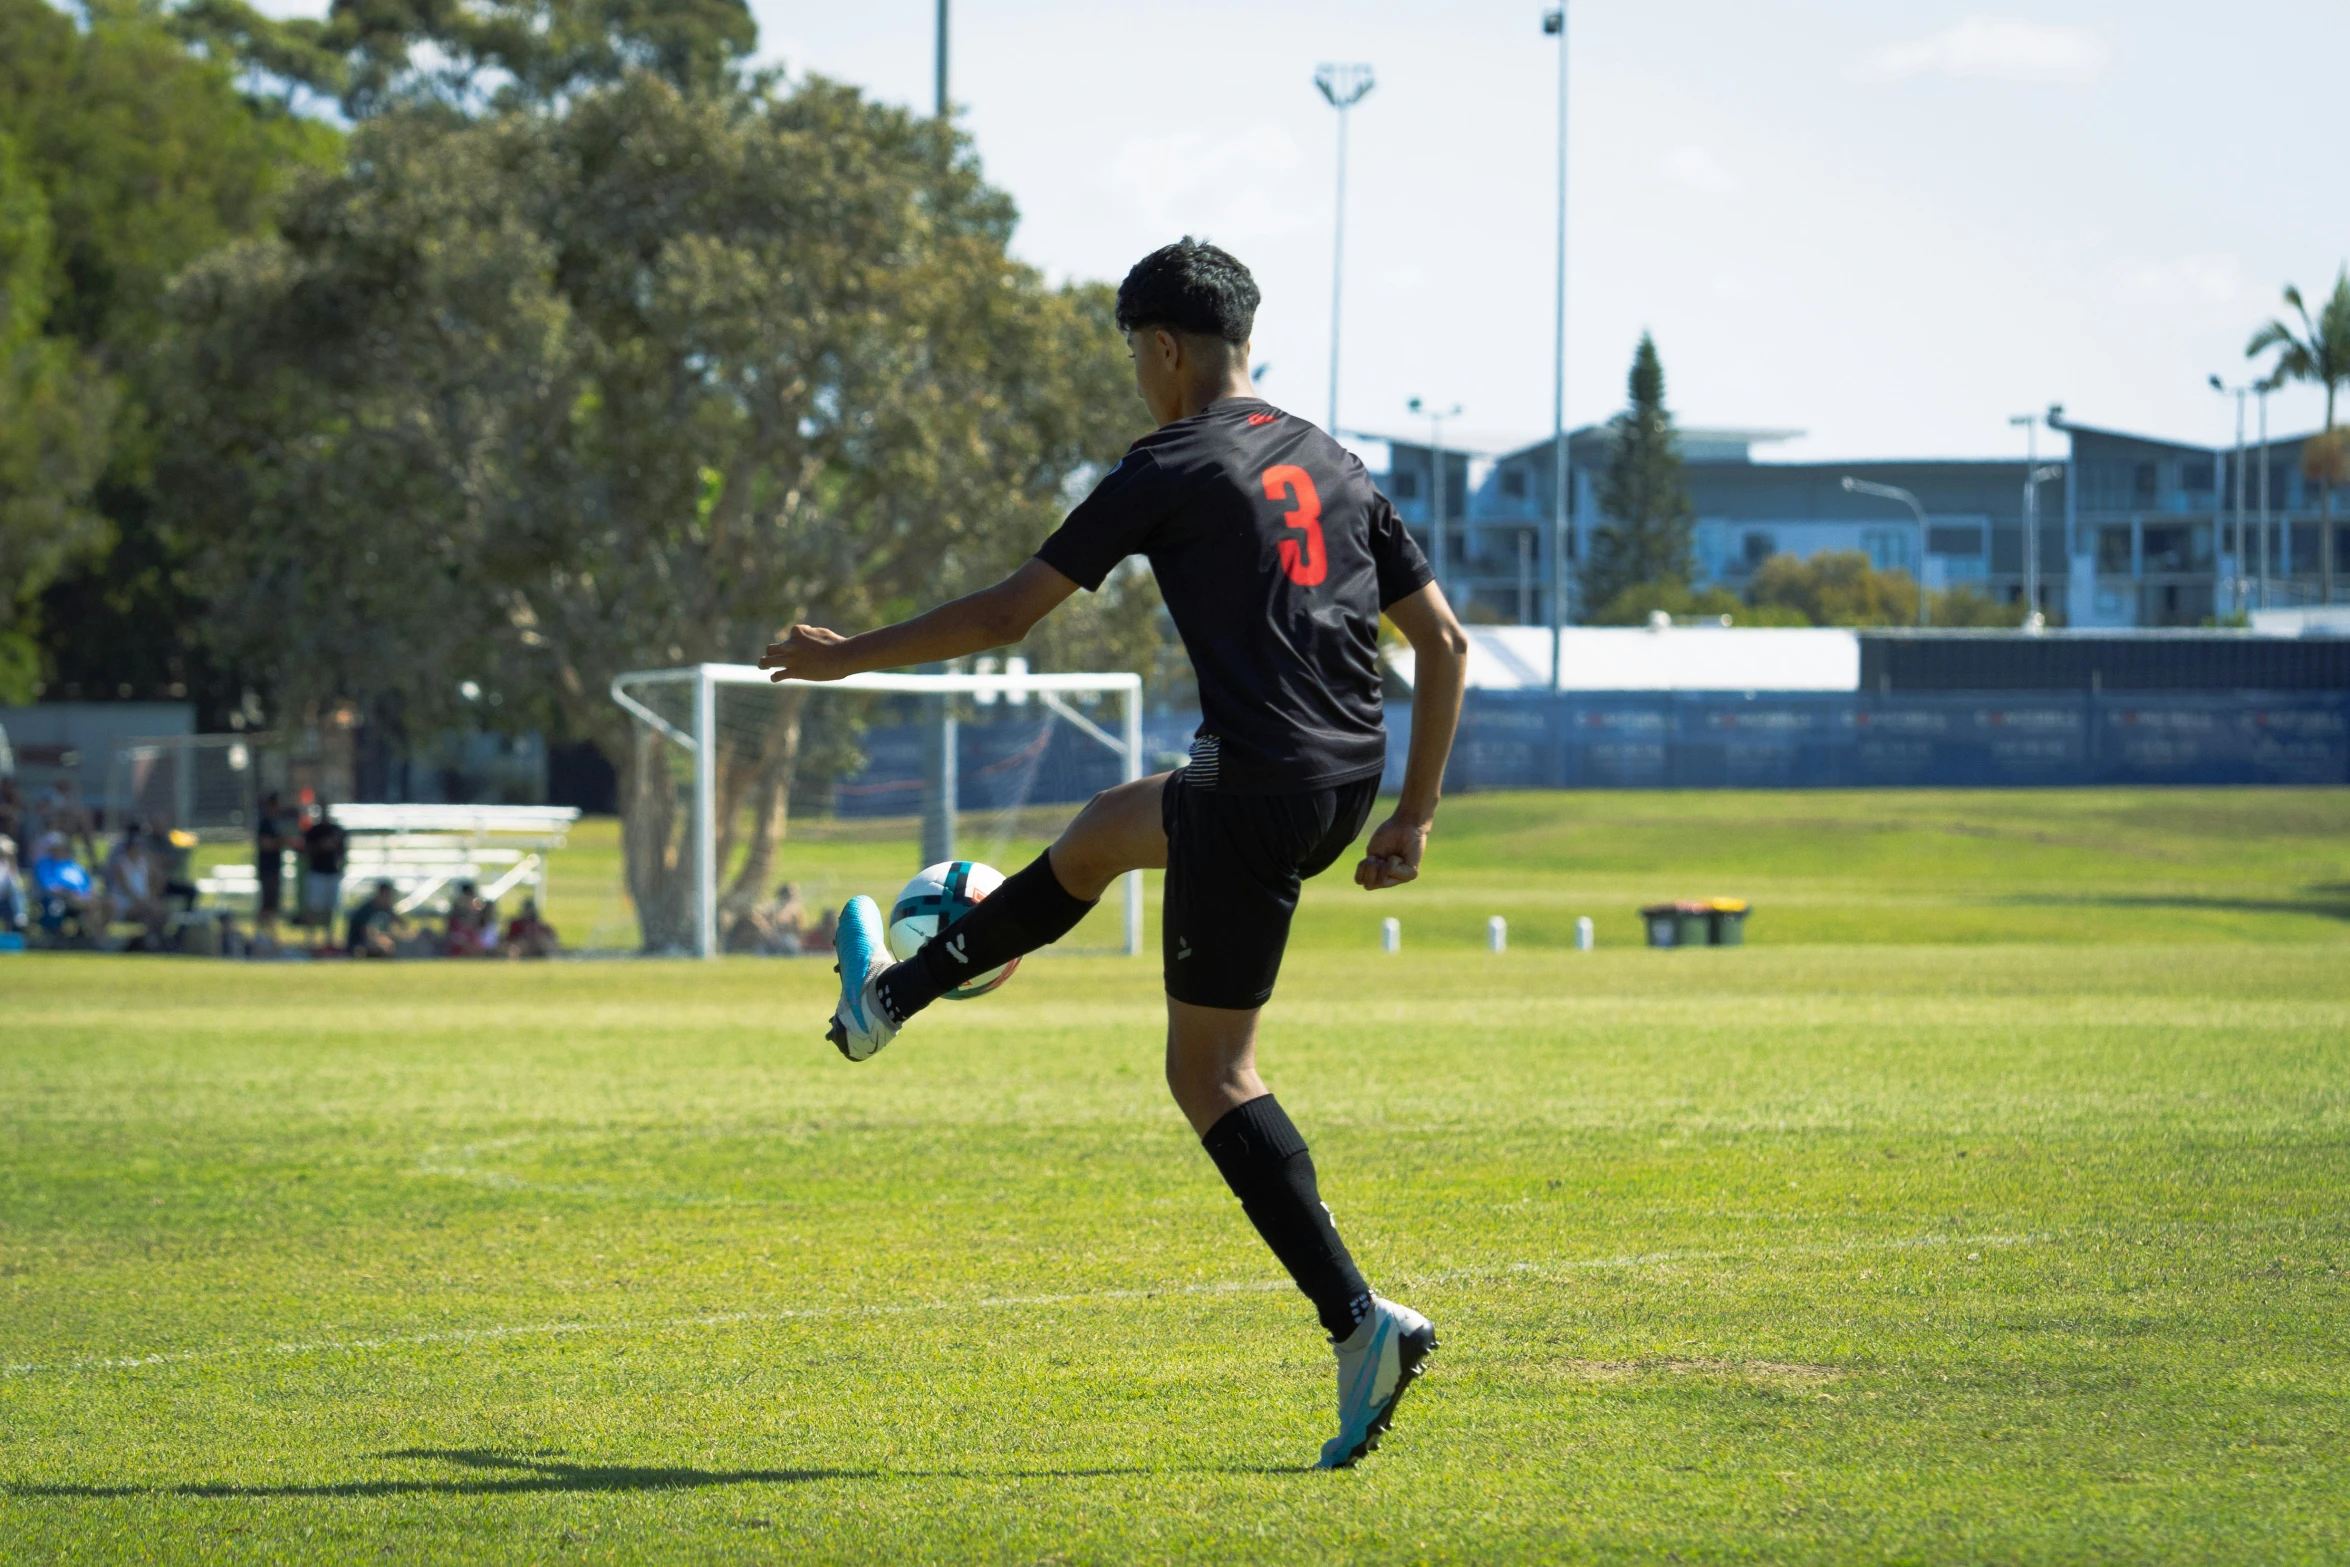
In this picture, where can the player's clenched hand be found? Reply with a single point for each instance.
(1392, 857)
(807, 653)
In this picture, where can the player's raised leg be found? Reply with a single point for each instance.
(1119, 830)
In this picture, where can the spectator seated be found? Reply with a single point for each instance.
(529, 936)
(473, 924)
(377, 928)
(136, 886)
(67, 905)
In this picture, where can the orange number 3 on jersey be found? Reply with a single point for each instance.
(1303, 558)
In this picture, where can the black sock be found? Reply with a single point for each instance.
(1264, 1161)
(1030, 910)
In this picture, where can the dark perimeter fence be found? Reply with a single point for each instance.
(1950, 739)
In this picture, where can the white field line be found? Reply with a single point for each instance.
(628, 1327)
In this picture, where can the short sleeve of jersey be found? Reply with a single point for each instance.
(1403, 569)
(1115, 521)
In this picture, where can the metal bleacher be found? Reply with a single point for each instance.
(424, 851)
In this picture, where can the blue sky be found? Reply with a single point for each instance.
(1891, 225)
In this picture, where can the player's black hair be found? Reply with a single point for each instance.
(1190, 286)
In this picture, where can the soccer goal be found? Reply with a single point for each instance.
(204, 784)
(734, 781)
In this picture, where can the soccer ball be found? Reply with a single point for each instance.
(937, 897)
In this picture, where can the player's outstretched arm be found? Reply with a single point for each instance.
(1440, 657)
(992, 617)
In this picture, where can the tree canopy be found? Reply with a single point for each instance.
(123, 157)
(470, 56)
(541, 397)
(1836, 588)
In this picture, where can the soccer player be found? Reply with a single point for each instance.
(1276, 556)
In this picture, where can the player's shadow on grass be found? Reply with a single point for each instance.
(544, 1473)
(506, 1475)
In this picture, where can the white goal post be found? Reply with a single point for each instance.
(637, 691)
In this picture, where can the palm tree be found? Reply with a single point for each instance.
(2318, 353)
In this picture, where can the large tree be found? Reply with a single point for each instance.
(1647, 519)
(637, 379)
(126, 155)
(55, 406)
(2318, 353)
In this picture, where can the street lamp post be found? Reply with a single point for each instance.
(2043, 473)
(1436, 417)
(2236, 593)
(1894, 492)
(1343, 86)
(2263, 389)
(1554, 24)
(2034, 477)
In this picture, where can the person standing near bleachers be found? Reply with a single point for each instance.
(326, 849)
(270, 843)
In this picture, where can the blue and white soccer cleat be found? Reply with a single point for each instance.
(859, 1025)
(1378, 1361)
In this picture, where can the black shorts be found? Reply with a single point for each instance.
(1234, 865)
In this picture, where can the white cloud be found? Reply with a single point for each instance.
(2188, 281)
(2001, 48)
(1700, 171)
(1241, 183)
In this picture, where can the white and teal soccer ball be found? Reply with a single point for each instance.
(937, 897)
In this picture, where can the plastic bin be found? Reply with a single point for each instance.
(1717, 922)
(1678, 924)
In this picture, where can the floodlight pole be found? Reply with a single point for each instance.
(942, 60)
(1343, 86)
(1554, 23)
(1894, 492)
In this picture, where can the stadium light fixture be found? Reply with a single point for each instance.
(1343, 86)
(1554, 25)
(1894, 492)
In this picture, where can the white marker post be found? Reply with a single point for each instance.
(1586, 935)
(1391, 935)
(1497, 934)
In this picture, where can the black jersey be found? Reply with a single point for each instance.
(1275, 554)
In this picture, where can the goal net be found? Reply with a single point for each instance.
(753, 810)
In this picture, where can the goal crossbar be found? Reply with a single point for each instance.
(705, 679)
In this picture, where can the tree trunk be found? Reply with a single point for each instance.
(658, 861)
(779, 755)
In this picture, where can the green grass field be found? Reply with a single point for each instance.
(1989, 1207)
